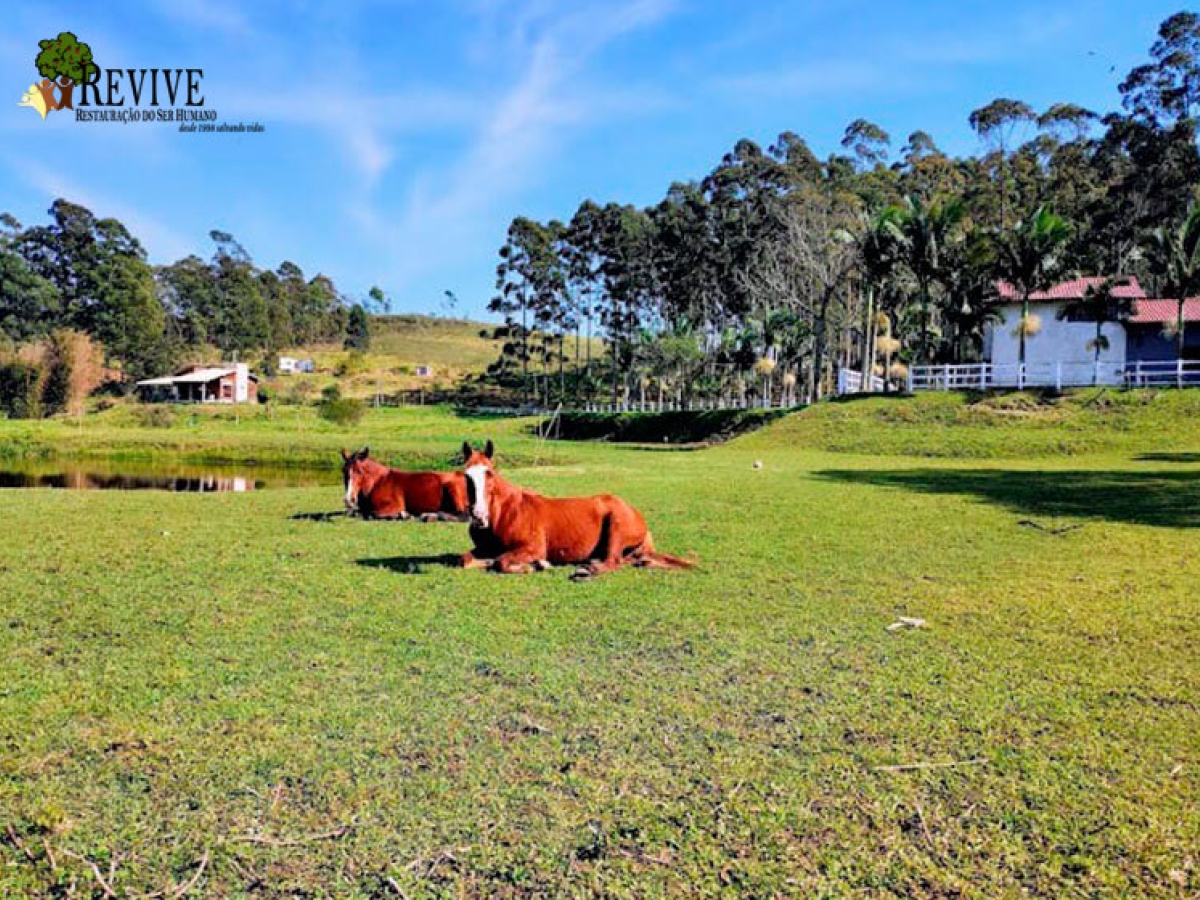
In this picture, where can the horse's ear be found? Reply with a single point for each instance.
(466, 451)
(345, 455)
(489, 449)
(366, 451)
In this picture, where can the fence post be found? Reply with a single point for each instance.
(1020, 376)
(1137, 377)
(1179, 372)
(1058, 375)
(909, 380)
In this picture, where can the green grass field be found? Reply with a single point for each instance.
(208, 694)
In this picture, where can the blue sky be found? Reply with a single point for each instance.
(401, 138)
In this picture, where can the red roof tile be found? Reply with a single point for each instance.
(1072, 290)
(1150, 312)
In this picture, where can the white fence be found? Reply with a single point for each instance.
(647, 406)
(1168, 373)
(1058, 375)
(850, 381)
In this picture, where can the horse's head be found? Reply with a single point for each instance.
(481, 482)
(354, 472)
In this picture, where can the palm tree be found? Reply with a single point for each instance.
(1099, 304)
(1029, 258)
(925, 230)
(1173, 257)
(877, 243)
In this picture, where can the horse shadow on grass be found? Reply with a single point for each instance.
(1162, 499)
(318, 516)
(413, 565)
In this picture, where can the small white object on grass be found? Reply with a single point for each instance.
(758, 464)
(906, 622)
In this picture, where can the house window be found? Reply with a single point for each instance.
(226, 390)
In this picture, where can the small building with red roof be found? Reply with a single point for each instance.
(1061, 347)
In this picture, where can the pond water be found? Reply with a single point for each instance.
(127, 476)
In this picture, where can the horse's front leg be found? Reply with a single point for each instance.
(520, 561)
(471, 561)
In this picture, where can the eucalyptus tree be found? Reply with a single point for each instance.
(924, 170)
(512, 301)
(997, 124)
(530, 291)
(627, 267)
(1148, 175)
(688, 260)
(1030, 258)
(1173, 260)
(1166, 90)
(580, 249)
(869, 178)
(867, 143)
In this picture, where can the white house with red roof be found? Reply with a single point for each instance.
(1062, 351)
(232, 383)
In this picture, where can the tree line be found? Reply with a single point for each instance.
(90, 275)
(760, 278)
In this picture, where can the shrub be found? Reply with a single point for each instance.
(297, 392)
(74, 368)
(21, 385)
(341, 411)
(353, 363)
(156, 416)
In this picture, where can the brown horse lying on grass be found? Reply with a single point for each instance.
(375, 491)
(516, 530)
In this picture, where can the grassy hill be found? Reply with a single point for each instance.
(952, 425)
(460, 344)
(452, 348)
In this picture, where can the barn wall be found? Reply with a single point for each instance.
(1059, 341)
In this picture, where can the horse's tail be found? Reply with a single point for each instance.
(650, 558)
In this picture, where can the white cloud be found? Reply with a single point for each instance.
(364, 126)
